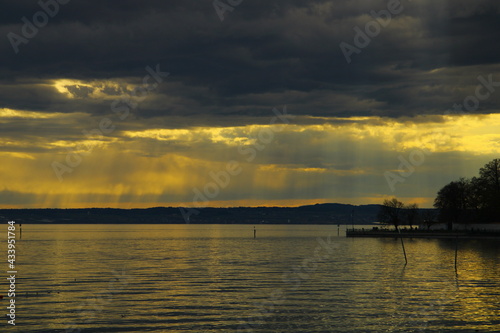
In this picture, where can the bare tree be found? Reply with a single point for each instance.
(429, 217)
(390, 212)
(411, 212)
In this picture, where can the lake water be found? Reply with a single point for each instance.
(218, 278)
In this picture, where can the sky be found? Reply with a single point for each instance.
(134, 104)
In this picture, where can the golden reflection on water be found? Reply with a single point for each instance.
(213, 278)
(478, 271)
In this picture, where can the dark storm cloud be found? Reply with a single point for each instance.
(264, 54)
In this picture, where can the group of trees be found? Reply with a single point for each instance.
(396, 213)
(471, 200)
(467, 200)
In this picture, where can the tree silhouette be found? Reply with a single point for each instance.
(411, 213)
(471, 200)
(390, 212)
(489, 176)
(452, 202)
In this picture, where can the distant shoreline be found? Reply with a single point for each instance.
(312, 214)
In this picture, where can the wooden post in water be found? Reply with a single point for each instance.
(254, 232)
(403, 245)
(352, 219)
(456, 254)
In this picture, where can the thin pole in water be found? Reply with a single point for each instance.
(352, 219)
(254, 232)
(403, 245)
(456, 253)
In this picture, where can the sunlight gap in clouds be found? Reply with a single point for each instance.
(6, 113)
(230, 136)
(471, 133)
(94, 89)
(17, 155)
(335, 160)
(299, 170)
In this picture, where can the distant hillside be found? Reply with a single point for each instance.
(312, 214)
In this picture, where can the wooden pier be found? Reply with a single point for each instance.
(418, 233)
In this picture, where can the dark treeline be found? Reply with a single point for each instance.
(466, 201)
(471, 200)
